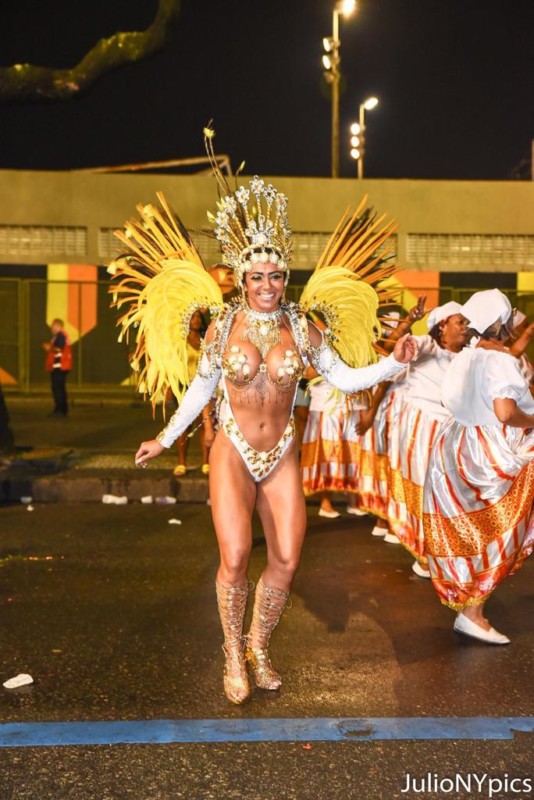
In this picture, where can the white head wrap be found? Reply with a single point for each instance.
(440, 313)
(519, 318)
(391, 321)
(484, 308)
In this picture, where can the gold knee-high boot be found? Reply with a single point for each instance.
(232, 603)
(268, 606)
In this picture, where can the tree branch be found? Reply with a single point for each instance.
(22, 82)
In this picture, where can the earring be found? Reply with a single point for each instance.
(284, 298)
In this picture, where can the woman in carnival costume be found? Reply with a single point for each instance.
(418, 425)
(259, 345)
(479, 490)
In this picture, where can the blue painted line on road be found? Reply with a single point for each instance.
(194, 731)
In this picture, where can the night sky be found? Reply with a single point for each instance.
(455, 80)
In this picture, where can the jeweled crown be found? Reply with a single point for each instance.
(252, 226)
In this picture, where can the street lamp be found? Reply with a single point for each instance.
(355, 140)
(331, 61)
(357, 130)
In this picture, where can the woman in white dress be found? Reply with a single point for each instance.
(418, 425)
(376, 423)
(331, 448)
(524, 331)
(479, 491)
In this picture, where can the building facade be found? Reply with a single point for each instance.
(56, 235)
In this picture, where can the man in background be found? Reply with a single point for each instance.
(58, 363)
(7, 441)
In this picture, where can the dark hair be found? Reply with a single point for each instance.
(392, 308)
(435, 332)
(269, 251)
(494, 331)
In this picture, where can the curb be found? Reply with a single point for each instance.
(89, 487)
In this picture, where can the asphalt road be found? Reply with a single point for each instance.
(112, 611)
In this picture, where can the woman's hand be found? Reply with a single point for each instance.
(146, 451)
(418, 311)
(405, 349)
(367, 417)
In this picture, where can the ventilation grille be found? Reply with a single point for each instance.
(45, 241)
(435, 249)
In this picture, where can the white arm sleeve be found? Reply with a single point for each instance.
(330, 366)
(197, 396)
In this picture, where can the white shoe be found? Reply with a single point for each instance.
(329, 514)
(467, 627)
(418, 568)
(356, 511)
(377, 531)
(390, 538)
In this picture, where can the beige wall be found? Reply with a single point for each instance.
(103, 201)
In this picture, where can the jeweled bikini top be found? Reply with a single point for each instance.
(282, 372)
(282, 366)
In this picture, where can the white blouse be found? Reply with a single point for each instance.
(527, 368)
(476, 378)
(423, 383)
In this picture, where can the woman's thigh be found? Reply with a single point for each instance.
(232, 495)
(282, 509)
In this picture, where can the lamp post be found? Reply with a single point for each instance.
(332, 73)
(357, 130)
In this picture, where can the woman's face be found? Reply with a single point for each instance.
(196, 322)
(264, 285)
(224, 276)
(454, 332)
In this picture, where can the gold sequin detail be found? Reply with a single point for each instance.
(259, 463)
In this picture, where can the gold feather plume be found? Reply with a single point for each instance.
(161, 280)
(346, 285)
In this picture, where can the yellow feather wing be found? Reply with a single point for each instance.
(347, 284)
(160, 280)
(349, 306)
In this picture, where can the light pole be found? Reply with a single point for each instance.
(357, 130)
(332, 73)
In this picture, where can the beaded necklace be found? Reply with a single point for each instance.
(263, 329)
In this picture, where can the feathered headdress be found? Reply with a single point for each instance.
(251, 223)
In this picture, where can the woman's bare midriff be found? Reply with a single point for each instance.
(261, 412)
(261, 409)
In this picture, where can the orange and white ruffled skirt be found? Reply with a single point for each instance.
(416, 433)
(395, 498)
(374, 464)
(331, 451)
(478, 509)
